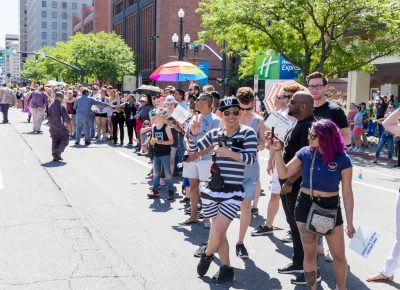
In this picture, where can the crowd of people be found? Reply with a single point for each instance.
(215, 143)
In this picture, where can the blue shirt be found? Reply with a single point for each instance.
(358, 120)
(325, 178)
(83, 105)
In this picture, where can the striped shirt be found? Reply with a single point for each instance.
(244, 141)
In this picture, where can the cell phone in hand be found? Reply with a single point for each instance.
(272, 134)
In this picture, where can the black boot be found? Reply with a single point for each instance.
(29, 119)
(171, 195)
(204, 263)
(224, 274)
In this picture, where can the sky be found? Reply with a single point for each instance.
(9, 18)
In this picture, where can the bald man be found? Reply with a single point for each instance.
(301, 107)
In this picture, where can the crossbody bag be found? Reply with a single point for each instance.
(320, 220)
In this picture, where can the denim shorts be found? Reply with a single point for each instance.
(303, 205)
(249, 185)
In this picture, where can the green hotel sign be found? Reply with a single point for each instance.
(272, 66)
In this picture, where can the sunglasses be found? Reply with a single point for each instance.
(246, 109)
(316, 87)
(234, 112)
(312, 135)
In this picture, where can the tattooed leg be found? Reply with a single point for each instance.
(311, 278)
(307, 237)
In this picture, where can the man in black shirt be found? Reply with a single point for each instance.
(317, 84)
(301, 108)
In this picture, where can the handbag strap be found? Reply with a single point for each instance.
(311, 173)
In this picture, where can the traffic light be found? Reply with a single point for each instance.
(196, 50)
(1, 55)
(36, 58)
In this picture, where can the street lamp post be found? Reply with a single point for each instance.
(183, 40)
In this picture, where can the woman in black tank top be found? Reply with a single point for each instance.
(161, 140)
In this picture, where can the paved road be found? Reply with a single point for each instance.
(87, 224)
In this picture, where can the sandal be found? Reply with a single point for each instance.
(188, 222)
(380, 278)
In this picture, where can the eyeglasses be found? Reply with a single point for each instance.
(246, 109)
(312, 135)
(316, 87)
(142, 101)
(233, 112)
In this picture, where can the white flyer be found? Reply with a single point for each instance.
(280, 123)
(180, 114)
(364, 240)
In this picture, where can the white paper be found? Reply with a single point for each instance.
(364, 241)
(279, 122)
(180, 114)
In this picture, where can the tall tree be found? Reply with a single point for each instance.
(104, 56)
(331, 36)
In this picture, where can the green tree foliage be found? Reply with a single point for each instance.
(104, 56)
(331, 36)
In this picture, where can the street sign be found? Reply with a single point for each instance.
(256, 84)
(273, 66)
(203, 65)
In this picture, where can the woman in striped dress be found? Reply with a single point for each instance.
(234, 146)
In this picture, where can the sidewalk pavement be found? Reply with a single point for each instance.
(369, 153)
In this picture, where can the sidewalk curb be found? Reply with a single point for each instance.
(369, 156)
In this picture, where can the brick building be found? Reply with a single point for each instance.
(147, 26)
(94, 18)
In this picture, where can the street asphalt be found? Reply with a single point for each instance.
(86, 223)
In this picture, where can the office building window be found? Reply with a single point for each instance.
(44, 14)
(74, 6)
(54, 4)
(44, 35)
(53, 14)
(74, 14)
(44, 43)
(118, 7)
(54, 25)
(64, 36)
(64, 26)
(44, 24)
(53, 44)
(64, 15)
(44, 4)
(54, 35)
(129, 3)
(64, 5)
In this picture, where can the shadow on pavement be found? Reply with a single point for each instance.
(51, 164)
(281, 247)
(160, 205)
(194, 233)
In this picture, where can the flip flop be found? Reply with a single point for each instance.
(187, 222)
(380, 278)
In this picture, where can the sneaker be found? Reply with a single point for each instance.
(171, 195)
(197, 253)
(204, 263)
(375, 161)
(287, 238)
(241, 251)
(224, 274)
(185, 200)
(149, 177)
(254, 211)
(290, 269)
(300, 279)
(262, 231)
(87, 143)
(154, 194)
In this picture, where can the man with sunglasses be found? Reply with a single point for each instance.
(197, 167)
(301, 107)
(234, 146)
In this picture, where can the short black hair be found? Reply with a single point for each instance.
(181, 92)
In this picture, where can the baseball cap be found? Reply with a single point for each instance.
(228, 103)
(169, 99)
(143, 99)
(363, 104)
(59, 95)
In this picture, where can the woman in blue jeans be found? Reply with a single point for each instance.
(386, 139)
(161, 140)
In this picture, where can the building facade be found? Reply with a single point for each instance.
(12, 60)
(93, 19)
(23, 27)
(147, 26)
(50, 21)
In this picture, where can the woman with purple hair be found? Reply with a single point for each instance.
(332, 166)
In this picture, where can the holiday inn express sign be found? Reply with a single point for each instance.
(272, 66)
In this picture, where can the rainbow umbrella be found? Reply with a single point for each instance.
(178, 71)
(273, 92)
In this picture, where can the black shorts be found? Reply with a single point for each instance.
(103, 115)
(303, 205)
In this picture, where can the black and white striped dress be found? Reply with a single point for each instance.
(244, 142)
